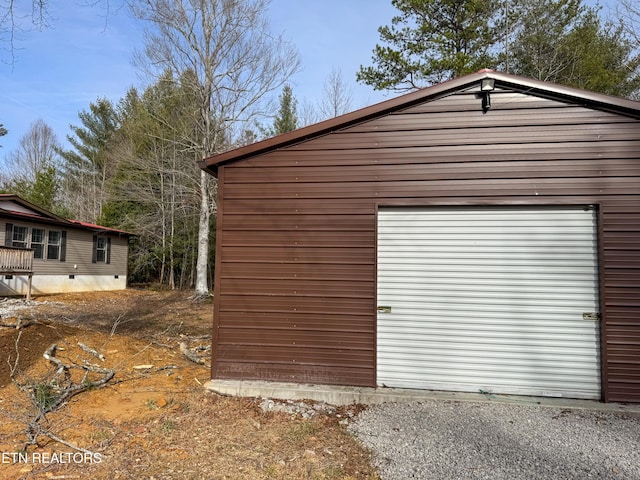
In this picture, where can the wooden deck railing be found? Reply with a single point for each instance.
(17, 261)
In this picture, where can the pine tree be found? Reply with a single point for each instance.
(564, 42)
(287, 118)
(434, 40)
(87, 166)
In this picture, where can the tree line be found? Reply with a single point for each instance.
(560, 41)
(220, 80)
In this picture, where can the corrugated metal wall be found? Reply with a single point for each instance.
(494, 299)
(295, 278)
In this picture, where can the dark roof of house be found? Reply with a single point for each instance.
(33, 213)
(529, 86)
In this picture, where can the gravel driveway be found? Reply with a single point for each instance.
(442, 440)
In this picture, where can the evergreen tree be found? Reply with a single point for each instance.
(534, 47)
(87, 166)
(604, 58)
(42, 192)
(434, 40)
(287, 118)
(564, 42)
(560, 41)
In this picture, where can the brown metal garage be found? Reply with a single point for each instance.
(297, 230)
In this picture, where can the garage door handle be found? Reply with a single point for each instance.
(591, 316)
(384, 309)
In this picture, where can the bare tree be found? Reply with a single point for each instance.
(308, 113)
(157, 176)
(36, 150)
(237, 62)
(628, 12)
(31, 169)
(337, 96)
(14, 20)
(21, 16)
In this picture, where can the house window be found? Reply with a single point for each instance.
(20, 235)
(37, 242)
(54, 243)
(101, 249)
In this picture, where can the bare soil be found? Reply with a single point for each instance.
(154, 419)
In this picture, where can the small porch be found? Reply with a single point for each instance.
(17, 261)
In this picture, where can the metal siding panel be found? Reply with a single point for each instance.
(302, 271)
(307, 255)
(425, 187)
(460, 169)
(336, 322)
(488, 299)
(216, 371)
(291, 372)
(621, 275)
(582, 150)
(310, 288)
(475, 136)
(318, 238)
(476, 118)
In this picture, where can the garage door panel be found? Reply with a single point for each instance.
(472, 308)
(526, 371)
(495, 334)
(510, 356)
(489, 299)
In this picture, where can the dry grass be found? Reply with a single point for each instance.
(159, 423)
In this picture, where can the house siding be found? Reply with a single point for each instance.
(295, 276)
(52, 276)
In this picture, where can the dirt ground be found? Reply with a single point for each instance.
(153, 419)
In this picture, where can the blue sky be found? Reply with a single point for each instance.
(86, 55)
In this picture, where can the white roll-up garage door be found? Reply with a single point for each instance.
(500, 300)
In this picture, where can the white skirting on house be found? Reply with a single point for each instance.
(42, 284)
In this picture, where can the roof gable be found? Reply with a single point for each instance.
(15, 207)
(471, 83)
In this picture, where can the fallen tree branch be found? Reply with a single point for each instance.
(14, 368)
(190, 355)
(55, 438)
(60, 392)
(90, 350)
(68, 444)
(53, 391)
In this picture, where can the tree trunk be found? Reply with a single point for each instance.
(202, 289)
